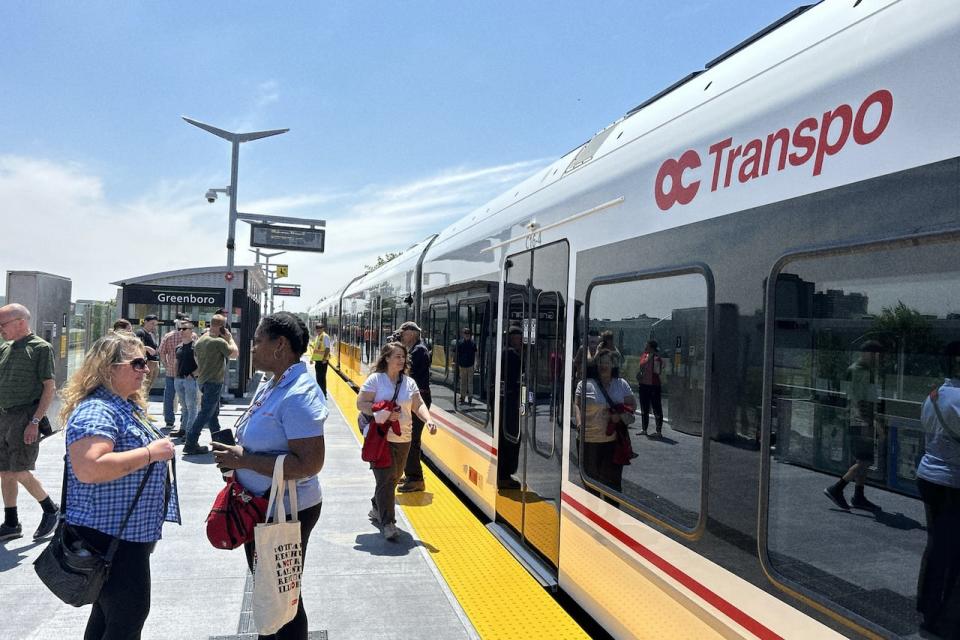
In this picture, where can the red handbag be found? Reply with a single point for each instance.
(234, 515)
(376, 449)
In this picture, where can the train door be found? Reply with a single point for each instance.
(532, 388)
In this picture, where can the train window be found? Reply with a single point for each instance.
(641, 384)
(860, 338)
(472, 361)
(438, 343)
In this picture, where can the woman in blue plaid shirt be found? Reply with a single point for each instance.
(111, 447)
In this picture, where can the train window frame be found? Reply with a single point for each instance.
(446, 333)
(693, 268)
(487, 425)
(819, 601)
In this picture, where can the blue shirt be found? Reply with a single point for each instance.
(941, 462)
(290, 408)
(102, 506)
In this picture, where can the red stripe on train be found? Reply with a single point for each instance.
(469, 436)
(729, 610)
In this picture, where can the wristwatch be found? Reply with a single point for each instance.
(35, 421)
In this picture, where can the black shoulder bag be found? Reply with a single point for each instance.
(72, 568)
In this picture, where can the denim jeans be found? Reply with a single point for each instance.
(169, 401)
(187, 393)
(209, 410)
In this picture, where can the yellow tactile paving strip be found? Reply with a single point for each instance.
(498, 595)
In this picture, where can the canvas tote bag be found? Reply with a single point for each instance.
(279, 561)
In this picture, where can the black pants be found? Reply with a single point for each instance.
(321, 369)
(649, 396)
(940, 564)
(598, 464)
(124, 602)
(413, 469)
(296, 629)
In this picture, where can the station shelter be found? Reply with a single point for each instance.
(199, 293)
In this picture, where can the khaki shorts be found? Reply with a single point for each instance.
(14, 454)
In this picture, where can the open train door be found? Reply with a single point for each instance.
(530, 427)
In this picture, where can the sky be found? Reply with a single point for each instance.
(403, 118)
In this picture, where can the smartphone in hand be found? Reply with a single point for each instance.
(224, 436)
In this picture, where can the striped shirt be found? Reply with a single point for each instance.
(103, 506)
(24, 365)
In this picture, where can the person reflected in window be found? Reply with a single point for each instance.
(649, 387)
(508, 447)
(606, 344)
(466, 358)
(593, 342)
(863, 400)
(938, 479)
(605, 400)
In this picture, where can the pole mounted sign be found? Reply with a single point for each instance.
(283, 270)
(292, 290)
(275, 236)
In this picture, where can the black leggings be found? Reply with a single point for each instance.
(296, 629)
(124, 602)
(649, 395)
(940, 565)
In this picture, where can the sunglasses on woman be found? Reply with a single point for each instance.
(137, 364)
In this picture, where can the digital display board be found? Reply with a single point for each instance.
(276, 236)
(292, 290)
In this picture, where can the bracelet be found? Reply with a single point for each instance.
(149, 457)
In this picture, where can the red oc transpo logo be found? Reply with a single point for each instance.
(753, 159)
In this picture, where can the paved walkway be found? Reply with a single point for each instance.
(198, 591)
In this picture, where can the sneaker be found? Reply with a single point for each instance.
(195, 451)
(860, 502)
(836, 497)
(410, 486)
(47, 523)
(510, 483)
(390, 531)
(10, 533)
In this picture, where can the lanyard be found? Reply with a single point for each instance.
(263, 394)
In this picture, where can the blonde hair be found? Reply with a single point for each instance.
(380, 366)
(95, 371)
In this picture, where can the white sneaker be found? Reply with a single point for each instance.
(390, 531)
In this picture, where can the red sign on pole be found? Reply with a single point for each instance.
(228, 276)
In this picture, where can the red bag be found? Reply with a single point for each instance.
(234, 515)
(623, 451)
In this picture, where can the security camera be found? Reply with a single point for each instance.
(211, 196)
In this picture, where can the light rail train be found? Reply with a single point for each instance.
(762, 220)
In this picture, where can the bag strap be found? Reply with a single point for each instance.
(943, 423)
(123, 525)
(605, 394)
(277, 489)
(396, 392)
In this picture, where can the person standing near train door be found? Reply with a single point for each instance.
(420, 372)
(508, 445)
(649, 389)
(320, 355)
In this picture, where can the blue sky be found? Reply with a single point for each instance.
(403, 117)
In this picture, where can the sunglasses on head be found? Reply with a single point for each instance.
(137, 364)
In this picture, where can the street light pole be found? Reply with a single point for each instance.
(234, 139)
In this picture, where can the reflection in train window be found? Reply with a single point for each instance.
(471, 388)
(644, 390)
(858, 345)
(437, 338)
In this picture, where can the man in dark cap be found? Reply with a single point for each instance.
(420, 372)
(863, 401)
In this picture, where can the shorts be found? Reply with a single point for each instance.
(14, 454)
(861, 444)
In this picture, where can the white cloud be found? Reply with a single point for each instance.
(58, 218)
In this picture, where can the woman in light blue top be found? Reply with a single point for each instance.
(285, 418)
(938, 478)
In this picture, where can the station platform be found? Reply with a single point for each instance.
(445, 578)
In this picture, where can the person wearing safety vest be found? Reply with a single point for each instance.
(320, 355)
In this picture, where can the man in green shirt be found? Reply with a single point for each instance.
(211, 352)
(26, 391)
